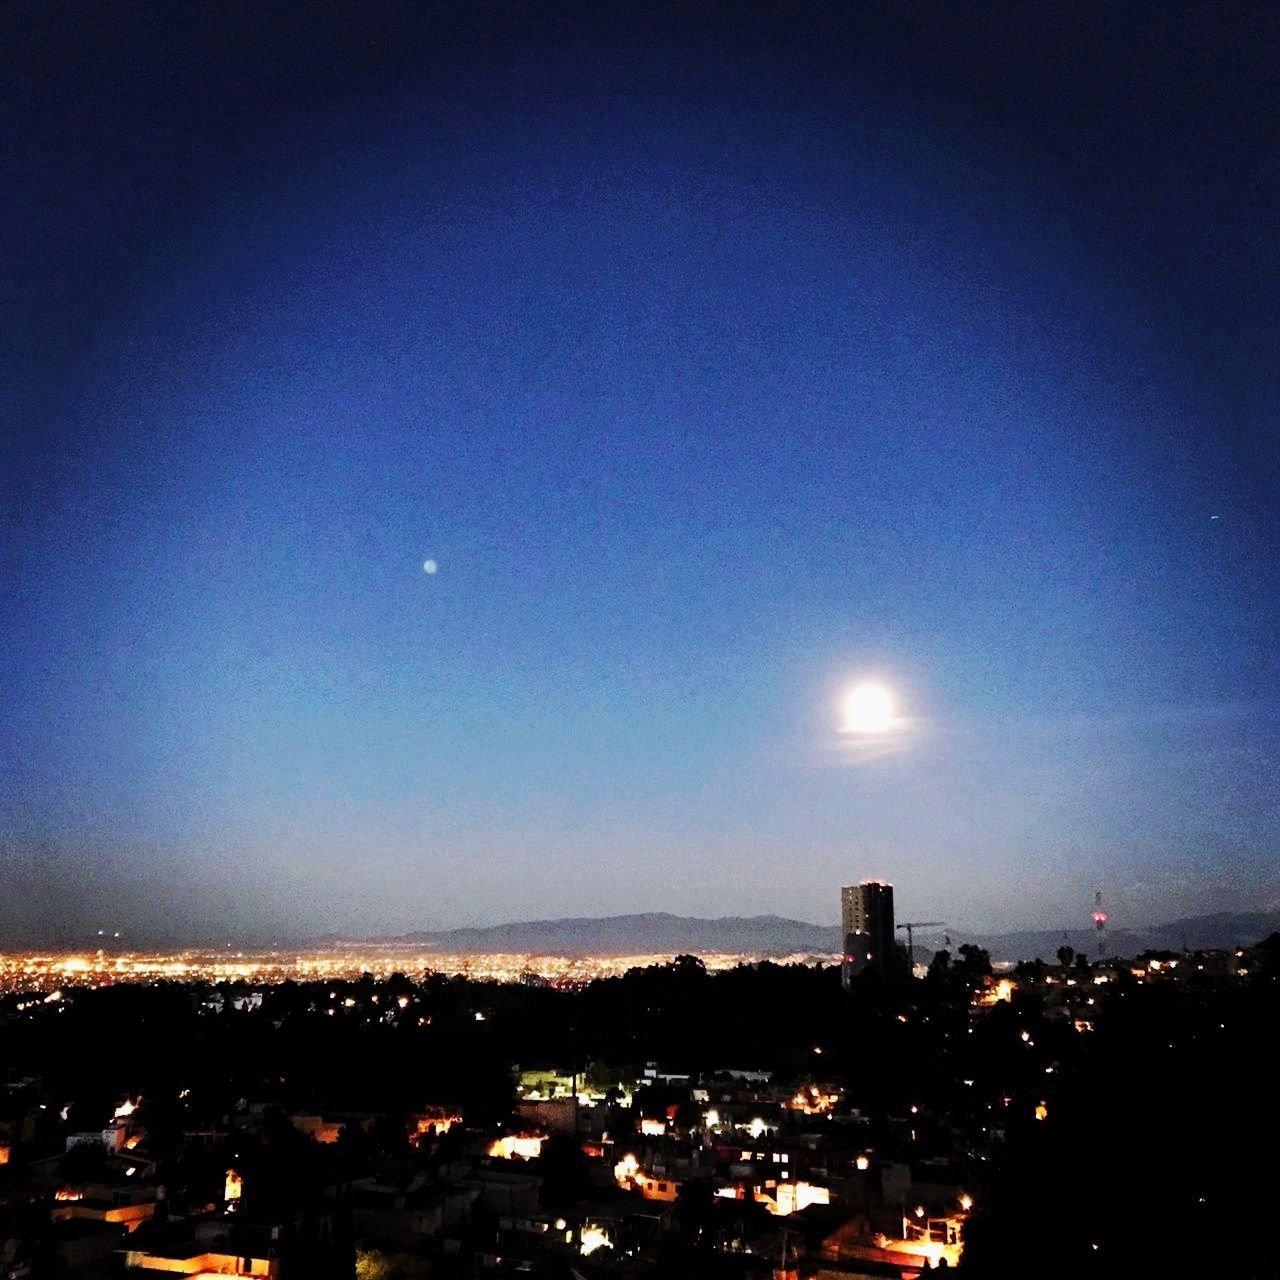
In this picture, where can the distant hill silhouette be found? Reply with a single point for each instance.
(1222, 929)
(650, 933)
(657, 933)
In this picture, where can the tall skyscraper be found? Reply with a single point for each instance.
(866, 923)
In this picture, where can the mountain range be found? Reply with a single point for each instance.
(657, 933)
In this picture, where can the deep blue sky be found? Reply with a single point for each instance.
(720, 356)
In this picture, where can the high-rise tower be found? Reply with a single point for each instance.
(866, 925)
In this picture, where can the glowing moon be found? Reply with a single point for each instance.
(429, 566)
(868, 708)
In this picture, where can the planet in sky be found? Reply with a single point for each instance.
(868, 708)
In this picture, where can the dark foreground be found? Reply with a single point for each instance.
(1078, 1120)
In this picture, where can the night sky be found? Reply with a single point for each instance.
(719, 356)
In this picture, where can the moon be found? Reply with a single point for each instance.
(429, 566)
(868, 708)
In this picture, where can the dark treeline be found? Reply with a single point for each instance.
(305, 1040)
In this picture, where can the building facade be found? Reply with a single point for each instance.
(867, 927)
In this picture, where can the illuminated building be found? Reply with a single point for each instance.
(780, 1198)
(202, 1263)
(594, 1238)
(784, 1198)
(110, 1205)
(866, 928)
(814, 1100)
(628, 1174)
(432, 1123)
(517, 1146)
(318, 1127)
(995, 992)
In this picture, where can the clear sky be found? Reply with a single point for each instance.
(719, 357)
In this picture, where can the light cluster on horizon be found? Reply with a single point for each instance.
(29, 971)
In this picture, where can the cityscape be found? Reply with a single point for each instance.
(364, 1114)
(31, 971)
(640, 641)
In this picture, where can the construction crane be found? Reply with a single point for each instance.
(917, 924)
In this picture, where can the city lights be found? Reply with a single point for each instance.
(524, 1146)
(48, 973)
(593, 1238)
